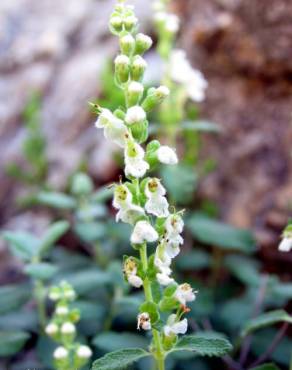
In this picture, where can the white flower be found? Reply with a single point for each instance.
(143, 321)
(69, 294)
(174, 224)
(51, 329)
(136, 87)
(173, 227)
(175, 327)
(62, 310)
(83, 352)
(160, 16)
(162, 91)
(139, 62)
(184, 293)
(123, 201)
(143, 232)
(166, 155)
(182, 72)
(60, 353)
(145, 40)
(164, 279)
(68, 328)
(134, 115)
(135, 280)
(54, 295)
(286, 244)
(134, 160)
(172, 23)
(114, 128)
(156, 201)
(130, 270)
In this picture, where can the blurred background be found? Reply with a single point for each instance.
(59, 51)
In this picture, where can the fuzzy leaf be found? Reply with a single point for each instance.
(23, 245)
(266, 319)
(56, 200)
(13, 297)
(203, 345)
(43, 270)
(222, 235)
(11, 342)
(119, 360)
(52, 235)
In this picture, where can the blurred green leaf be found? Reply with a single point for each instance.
(181, 182)
(52, 235)
(56, 200)
(203, 345)
(219, 234)
(200, 125)
(112, 341)
(13, 297)
(26, 319)
(120, 359)
(103, 194)
(268, 366)
(91, 212)
(90, 231)
(11, 342)
(22, 244)
(42, 270)
(193, 260)
(244, 268)
(262, 339)
(266, 319)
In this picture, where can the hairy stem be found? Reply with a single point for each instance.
(159, 352)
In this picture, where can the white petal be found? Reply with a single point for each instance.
(136, 167)
(172, 250)
(135, 114)
(180, 327)
(158, 206)
(167, 155)
(143, 232)
(135, 280)
(285, 245)
(164, 279)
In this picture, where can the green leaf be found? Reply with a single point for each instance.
(200, 125)
(203, 345)
(23, 245)
(56, 200)
(42, 270)
(24, 320)
(11, 342)
(13, 297)
(119, 360)
(102, 194)
(181, 182)
(244, 268)
(194, 260)
(266, 319)
(152, 309)
(269, 366)
(90, 231)
(112, 341)
(52, 235)
(219, 234)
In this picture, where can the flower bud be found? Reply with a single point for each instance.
(155, 97)
(60, 353)
(130, 22)
(135, 115)
(143, 43)
(167, 155)
(81, 185)
(81, 356)
(62, 310)
(52, 329)
(134, 93)
(138, 68)
(122, 68)
(68, 332)
(55, 293)
(127, 44)
(172, 23)
(116, 24)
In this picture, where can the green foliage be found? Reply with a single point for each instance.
(120, 359)
(51, 236)
(269, 366)
(203, 345)
(193, 260)
(13, 297)
(219, 234)
(266, 319)
(56, 200)
(11, 342)
(112, 341)
(42, 271)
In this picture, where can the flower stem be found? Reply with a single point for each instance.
(159, 352)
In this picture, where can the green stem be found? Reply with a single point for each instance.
(99, 256)
(40, 300)
(159, 352)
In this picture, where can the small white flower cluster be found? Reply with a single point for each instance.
(191, 79)
(141, 201)
(168, 22)
(62, 329)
